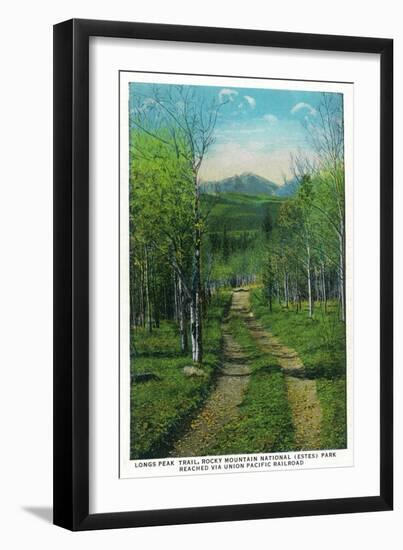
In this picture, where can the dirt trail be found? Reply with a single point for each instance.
(302, 396)
(222, 405)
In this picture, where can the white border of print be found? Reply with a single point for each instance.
(181, 466)
(108, 492)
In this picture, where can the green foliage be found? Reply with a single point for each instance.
(305, 250)
(161, 195)
(161, 224)
(234, 241)
(161, 409)
(225, 245)
(267, 224)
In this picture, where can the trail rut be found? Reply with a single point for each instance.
(222, 405)
(302, 395)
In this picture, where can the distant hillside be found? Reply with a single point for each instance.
(247, 183)
(238, 212)
(250, 184)
(288, 189)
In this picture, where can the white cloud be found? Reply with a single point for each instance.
(271, 119)
(299, 106)
(227, 94)
(251, 101)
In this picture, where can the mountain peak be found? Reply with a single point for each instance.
(249, 174)
(246, 183)
(249, 183)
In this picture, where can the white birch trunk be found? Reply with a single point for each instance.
(324, 296)
(310, 308)
(182, 320)
(341, 279)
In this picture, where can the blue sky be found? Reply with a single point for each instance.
(257, 129)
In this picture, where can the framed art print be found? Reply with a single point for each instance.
(223, 274)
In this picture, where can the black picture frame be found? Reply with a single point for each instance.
(71, 273)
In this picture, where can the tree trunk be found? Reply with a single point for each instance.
(176, 308)
(286, 289)
(324, 296)
(310, 305)
(317, 295)
(165, 302)
(182, 318)
(142, 301)
(156, 301)
(148, 302)
(193, 328)
(341, 279)
(132, 294)
(196, 316)
(197, 348)
(271, 296)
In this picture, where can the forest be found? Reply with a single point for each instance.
(237, 300)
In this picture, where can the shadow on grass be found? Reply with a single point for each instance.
(158, 354)
(266, 369)
(315, 373)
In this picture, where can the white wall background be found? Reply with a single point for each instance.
(26, 274)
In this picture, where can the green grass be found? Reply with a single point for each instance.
(320, 343)
(244, 338)
(332, 396)
(265, 420)
(160, 409)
